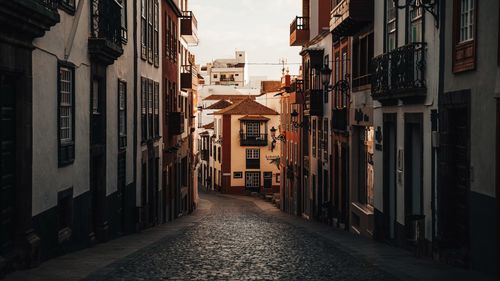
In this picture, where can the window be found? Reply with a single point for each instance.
(66, 111)
(144, 124)
(122, 114)
(314, 138)
(149, 41)
(156, 110)
(253, 153)
(326, 61)
(238, 175)
(362, 56)
(464, 27)
(391, 25)
(144, 30)
(215, 76)
(252, 129)
(253, 158)
(252, 180)
(416, 19)
(156, 36)
(325, 140)
(150, 96)
(123, 5)
(67, 6)
(150, 102)
(466, 20)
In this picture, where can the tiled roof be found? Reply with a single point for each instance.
(209, 126)
(228, 97)
(253, 118)
(220, 104)
(247, 107)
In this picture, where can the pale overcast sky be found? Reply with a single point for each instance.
(259, 27)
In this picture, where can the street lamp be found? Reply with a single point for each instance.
(275, 138)
(342, 85)
(294, 116)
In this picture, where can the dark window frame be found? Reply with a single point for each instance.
(122, 135)
(144, 29)
(124, 23)
(156, 34)
(66, 151)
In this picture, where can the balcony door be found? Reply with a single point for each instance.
(252, 181)
(7, 161)
(252, 130)
(389, 170)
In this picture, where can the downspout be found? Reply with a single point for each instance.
(435, 121)
(135, 96)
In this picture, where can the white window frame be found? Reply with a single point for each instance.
(252, 153)
(66, 81)
(466, 31)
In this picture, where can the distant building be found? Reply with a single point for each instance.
(246, 157)
(229, 72)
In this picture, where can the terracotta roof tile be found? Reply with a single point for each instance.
(220, 104)
(228, 97)
(247, 107)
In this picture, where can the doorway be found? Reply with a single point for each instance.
(413, 164)
(389, 176)
(7, 161)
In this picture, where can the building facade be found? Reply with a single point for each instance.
(229, 72)
(83, 98)
(245, 151)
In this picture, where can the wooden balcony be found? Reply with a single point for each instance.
(313, 103)
(27, 19)
(105, 42)
(349, 16)
(189, 28)
(400, 74)
(299, 31)
(176, 123)
(253, 140)
(186, 77)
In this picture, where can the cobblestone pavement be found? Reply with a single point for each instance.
(236, 241)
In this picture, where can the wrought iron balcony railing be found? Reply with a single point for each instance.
(105, 41)
(299, 31)
(106, 21)
(253, 140)
(400, 73)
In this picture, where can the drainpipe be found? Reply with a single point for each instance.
(135, 101)
(435, 122)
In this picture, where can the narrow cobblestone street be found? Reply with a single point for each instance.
(238, 241)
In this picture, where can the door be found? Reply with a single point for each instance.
(121, 193)
(268, 180)
(7, 161)
(413, 165)
(454, 167)
(389, 180)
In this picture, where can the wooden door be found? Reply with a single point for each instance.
(7, 161)
(454, 178)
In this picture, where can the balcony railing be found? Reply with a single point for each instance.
(187, 77)
(49, 4)
(349, 16)
(189, 27)
(105, 42)
(253, 140)
(227, 79)
(400, 73)
(299, 31)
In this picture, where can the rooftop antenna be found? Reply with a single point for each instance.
(283, 61)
